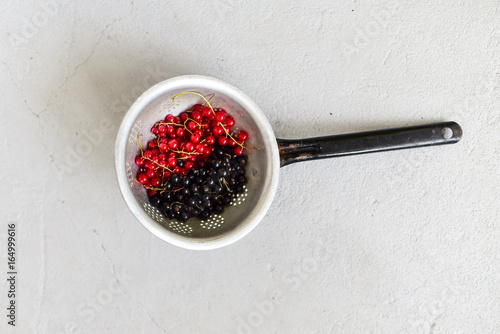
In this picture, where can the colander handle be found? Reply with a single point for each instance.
(295, 150)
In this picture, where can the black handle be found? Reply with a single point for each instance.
(295, 150)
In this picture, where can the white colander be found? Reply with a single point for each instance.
(262, 169)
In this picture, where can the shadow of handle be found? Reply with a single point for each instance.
(296, 150)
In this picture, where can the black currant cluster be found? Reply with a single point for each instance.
(206, 190)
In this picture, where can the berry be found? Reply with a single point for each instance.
(195, 138)
(218, 130)
(197, 116)
(230, 121)
(142, 178)
(163, 147)
(200, 148)
(222, 141)
(173, 144)
(172, 162)
(190, 145)
(155, 200)
(238, 151)
(155, 182)
(220, 116)
(139, 161)
(180, 132)
(210, 140)
(207, 112)
(242, 160)
(191, 125)
(175, 178)
(242, 136)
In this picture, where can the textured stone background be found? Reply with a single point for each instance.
(396, 242)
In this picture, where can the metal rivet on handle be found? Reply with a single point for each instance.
(447, 133)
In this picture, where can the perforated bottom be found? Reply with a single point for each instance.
(213, 222)
(154, 213)
(240, 198)
(179, 227)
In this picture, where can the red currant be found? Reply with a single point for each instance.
(210, 140)
(242, 136)
(173, 144)
(200, 148)
(172, 162)
(191, 125)
(230, 121)
(207, 112)
(195, 138)
(190, 145)
(222, 141)
(180, 132)
(238, 150)
(218, 130)
(197, 116)
(220, 116)
(155, 182)
(142, 178)
(139, 161)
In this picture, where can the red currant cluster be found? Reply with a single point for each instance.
(184, 142)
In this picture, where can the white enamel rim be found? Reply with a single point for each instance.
(272, 176)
